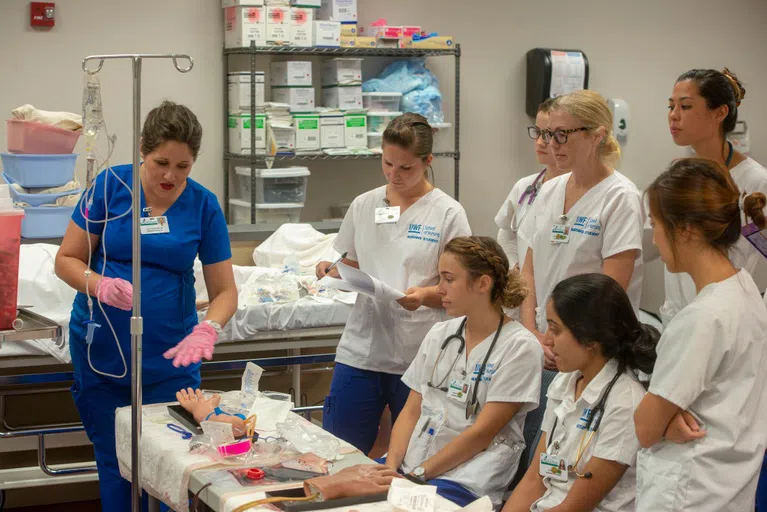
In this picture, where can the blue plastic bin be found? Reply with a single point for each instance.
(36, 199)
(46, 221)
(39, 171)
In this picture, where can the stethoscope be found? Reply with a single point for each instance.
(531, 192)
(472, 406)
(592, 425)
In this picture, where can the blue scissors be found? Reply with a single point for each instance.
(179, 430)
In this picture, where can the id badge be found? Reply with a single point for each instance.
(554, 467)
(458, 390)
(154, 225)
(387, 215)
(560, 234)
(757, 238)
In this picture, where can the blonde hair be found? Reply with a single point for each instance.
(591, 109)
(481, 255)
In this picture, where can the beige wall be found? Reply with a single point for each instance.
(636, 49)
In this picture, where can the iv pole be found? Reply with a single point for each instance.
(137, 323)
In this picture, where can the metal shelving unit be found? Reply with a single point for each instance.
(255, 159)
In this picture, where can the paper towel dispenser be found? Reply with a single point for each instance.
(552, 73)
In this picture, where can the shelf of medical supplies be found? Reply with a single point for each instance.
(361, 52)
(35, 327)
(282, 157)
(254, 158)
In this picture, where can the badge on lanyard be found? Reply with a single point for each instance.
(554, 467)
(560, 234)
(458, 390)
(387, 215)
(154, 225)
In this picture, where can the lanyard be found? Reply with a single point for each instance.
(729, 156)
(531, 192)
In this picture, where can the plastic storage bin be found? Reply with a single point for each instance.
(46, 221)
(381, 101)
(276, 213)
(443, 137)
(38, 138)
(36, 199)
(10, 242)
(378, 121)
(375, 140)
(39, 171)
(273, 185)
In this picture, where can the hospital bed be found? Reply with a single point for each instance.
(39, 367)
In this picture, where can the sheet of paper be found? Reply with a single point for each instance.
(270, 412)
(355, 280)
(568, 72)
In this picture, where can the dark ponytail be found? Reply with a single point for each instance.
(596, 309)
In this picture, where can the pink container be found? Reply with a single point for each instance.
(10, 242)
(39, 139)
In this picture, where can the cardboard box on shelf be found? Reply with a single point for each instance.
(243, 25)
(410, 30)
(306, 3)
(342, 97)
(293, 73)
(355, 130)
(238, 86)
(338, 10)
(239, 132)
(343, 71)
(278, 24)
(242, 3)
(332, 130)
(300, 99)
(307, 131)
(348, 42)
(301, 26)
(349, 29)
(365, 42)
(430, 43)
(327, 34)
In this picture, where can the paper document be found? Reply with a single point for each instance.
(568, 72)
(355, 280)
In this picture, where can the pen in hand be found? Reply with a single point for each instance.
(327, 270)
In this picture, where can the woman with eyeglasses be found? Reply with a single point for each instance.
(703, 109)
(472, 383)
(517, 205)
(600, 348)
(587, 220)
(395, 233)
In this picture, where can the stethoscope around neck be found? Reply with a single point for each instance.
(531, 192)
(472, 406)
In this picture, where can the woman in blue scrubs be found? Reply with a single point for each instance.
(180, 221)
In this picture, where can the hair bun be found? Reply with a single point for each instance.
(740, 91)
(753, 206)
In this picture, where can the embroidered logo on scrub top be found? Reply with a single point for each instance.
(587, 226)
(423, 232)
(487, 376)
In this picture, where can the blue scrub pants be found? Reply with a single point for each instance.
(356, 402)
(448, 489)
(96, 398)
(761, 490)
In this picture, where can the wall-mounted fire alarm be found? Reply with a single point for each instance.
(42, 14)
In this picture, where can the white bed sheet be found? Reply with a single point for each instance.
(49, 296)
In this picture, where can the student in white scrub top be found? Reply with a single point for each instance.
(586, 458)
(703, 109)
(515, 209)
(395, 233)
(702, 422)
(588, 220)
(481, 357)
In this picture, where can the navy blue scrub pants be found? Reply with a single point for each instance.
(356, 402)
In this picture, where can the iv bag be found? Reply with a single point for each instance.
(92, 114)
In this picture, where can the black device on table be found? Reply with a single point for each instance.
(186, 419)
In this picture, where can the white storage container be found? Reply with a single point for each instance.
(443, 137)
(378, 121)
(381, 101)
(301, 26)
(243, 25)
(375, 140)
(239, 90)
(286, 185)
(273, 213)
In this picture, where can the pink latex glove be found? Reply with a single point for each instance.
(115, 292)
(194, 347)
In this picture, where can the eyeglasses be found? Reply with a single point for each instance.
(534, 132)
(560, 135)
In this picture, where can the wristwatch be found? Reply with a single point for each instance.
(419, 473)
